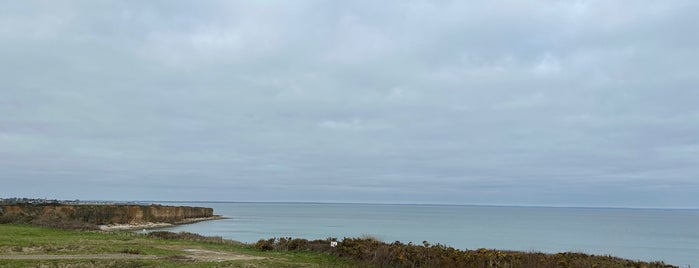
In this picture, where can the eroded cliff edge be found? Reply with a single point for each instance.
(92, 216)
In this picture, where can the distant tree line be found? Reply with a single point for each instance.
(24, 200)
(46, 201)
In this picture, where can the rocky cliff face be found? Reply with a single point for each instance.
(100, 214)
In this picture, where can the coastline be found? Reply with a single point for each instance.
(108, 249)
(154, 225)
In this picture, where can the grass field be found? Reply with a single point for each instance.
(30, 246)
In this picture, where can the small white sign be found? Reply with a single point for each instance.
(333, 243)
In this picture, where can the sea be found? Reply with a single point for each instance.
(669, 235)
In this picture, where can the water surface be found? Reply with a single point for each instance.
(642, 234)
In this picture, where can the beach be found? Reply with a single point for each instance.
(154, 225)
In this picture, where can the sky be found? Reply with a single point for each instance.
(552, 103)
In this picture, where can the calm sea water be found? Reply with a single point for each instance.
(642, 234)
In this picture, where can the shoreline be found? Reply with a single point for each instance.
(154, 225)
(195, 248)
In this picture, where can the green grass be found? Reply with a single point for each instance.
(174, 250)
(32, 240)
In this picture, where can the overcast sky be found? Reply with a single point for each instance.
(564, 103)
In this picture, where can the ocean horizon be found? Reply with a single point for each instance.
(648, 234)
(397, 203)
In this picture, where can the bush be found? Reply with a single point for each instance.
(293, 244)
(263, 244)
(131, 251)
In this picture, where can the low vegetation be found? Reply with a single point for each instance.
(372, 252)
(192, 237)
(33, 246)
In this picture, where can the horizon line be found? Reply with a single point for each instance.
(416, 204)
(383, 203)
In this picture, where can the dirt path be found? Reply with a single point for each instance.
(194, 254)
(216, 256)
(75, 257)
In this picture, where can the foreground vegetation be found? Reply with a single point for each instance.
(372, 252)
(33, 246)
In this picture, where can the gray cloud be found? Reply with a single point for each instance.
(490, 102)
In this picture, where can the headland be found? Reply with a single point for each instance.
(105, 216)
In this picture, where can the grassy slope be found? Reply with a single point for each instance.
(24, 239)
(32, 240)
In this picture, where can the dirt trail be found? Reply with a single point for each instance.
(194, 254)
(75, 257)
(217, 256)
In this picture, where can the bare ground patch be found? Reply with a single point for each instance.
(206, 255)
(216, 256)
(41, 249)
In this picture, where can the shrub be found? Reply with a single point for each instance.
(293, 244)
(263, 244)
(131, 251)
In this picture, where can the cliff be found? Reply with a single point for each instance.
(53, 214)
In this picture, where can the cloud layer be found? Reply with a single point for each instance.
(489, 102)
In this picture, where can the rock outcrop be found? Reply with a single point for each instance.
(45, 214)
